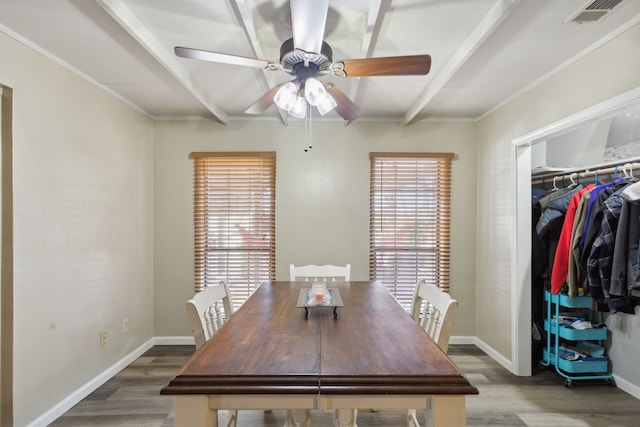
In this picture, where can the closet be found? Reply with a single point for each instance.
(585, 264)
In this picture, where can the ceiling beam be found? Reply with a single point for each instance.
(374, 21)
(487, 26)
(250, 29)
(127, 20)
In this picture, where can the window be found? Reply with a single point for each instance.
(409, 221)
(234, 220)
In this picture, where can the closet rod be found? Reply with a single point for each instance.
(589, 172)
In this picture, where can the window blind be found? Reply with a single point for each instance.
(409, 226)
(234, 220)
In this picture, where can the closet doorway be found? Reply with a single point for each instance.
(526, 156)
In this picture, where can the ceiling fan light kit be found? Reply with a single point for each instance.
(293, 98)
(306, 56)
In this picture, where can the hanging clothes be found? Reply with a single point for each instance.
(624, 290)
(599, 193)
(549, 226)
(591, 234)
(576, 275)
(601, 255)
(561, 261)
(595, 214)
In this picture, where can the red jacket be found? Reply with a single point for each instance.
(561, 261)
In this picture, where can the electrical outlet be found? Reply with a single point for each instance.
(103, 339)
(125, 325)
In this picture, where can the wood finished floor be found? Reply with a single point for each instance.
(132, 399)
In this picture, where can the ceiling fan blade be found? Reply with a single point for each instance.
(413, 65)
(264, 102)
(309, 18)
(345, 108)
(205, 55)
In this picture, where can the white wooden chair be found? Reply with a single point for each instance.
(435, 312)
(320, 273)
(208, 310)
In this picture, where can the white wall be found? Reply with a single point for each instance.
(608, 72)
(83, 228)
(322, 199)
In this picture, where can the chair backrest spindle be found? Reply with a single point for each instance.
(435, 311)
(208, 310)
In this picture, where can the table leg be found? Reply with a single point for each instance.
(345, 417)
(297, 418)
(412, 420)
(412, 417)
(288, 418)
(193, 411)
(446, 411)
(302, 417)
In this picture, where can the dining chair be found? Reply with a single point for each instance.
(435, 312)
(207, 311)
(324, 273)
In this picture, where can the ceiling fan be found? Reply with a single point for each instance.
(307, 56)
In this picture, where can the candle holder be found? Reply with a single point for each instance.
(318, 296)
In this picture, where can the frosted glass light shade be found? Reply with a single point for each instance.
(326, 104)
(314, 91)
(286, 96)
(299, 109)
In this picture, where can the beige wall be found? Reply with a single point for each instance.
(611, 70)
(322, 199)
(83, 188)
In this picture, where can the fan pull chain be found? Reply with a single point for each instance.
(307, 129)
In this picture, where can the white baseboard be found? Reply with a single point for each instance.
(624, 385)
(459, 340)
(177, 340)
(506, 363)
(63, 406)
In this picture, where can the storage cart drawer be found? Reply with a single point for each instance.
(566, 301)
(576, 334)
(578, 366)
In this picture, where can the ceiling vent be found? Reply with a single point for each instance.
(594, 11)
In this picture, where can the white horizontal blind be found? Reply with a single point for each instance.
(409, 226)
(234, 220)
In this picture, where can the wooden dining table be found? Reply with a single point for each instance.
(367, 353)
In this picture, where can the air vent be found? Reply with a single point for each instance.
(594, 11)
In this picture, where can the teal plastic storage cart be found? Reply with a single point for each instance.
(576, 354)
